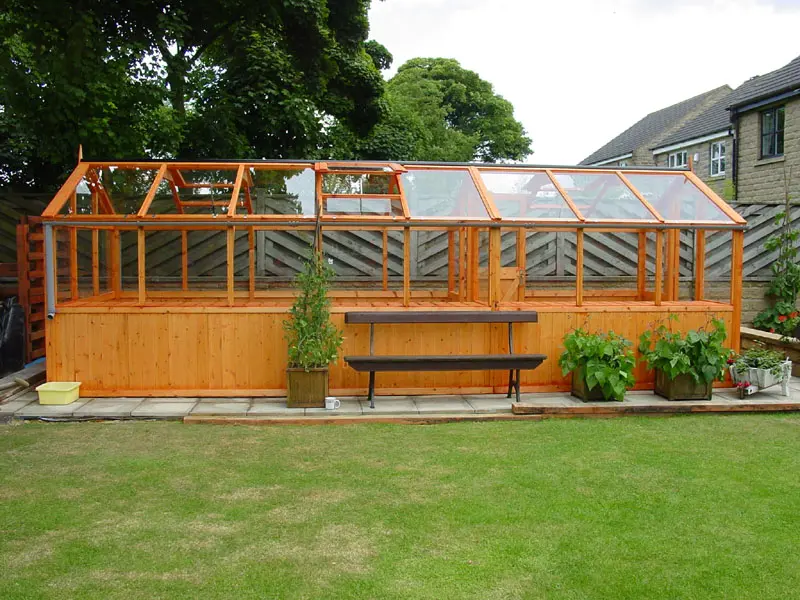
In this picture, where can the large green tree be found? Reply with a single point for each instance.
(191, 78)
(437, 110)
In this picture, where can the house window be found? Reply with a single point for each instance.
(623, 163)
(717, 158)
(772, 122)
(678, 159)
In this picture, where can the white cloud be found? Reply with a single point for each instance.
(581, 71)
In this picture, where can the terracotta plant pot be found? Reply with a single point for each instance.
(683, 387)
(306, 389)
(580, 389)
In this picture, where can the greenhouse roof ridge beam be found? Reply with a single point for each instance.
(306, 163)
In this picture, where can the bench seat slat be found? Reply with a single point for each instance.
(443, 316)
(471, 362)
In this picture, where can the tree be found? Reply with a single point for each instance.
(193, 78)
(439, 111)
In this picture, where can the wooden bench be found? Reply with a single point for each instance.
(470, 362)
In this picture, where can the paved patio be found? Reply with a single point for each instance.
(26, 406)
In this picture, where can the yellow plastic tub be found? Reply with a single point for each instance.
(58, 392)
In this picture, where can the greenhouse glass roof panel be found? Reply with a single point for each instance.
(676, 198)
(527, 196)
(442, 193)
(603, 196)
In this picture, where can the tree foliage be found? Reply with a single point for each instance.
(437, 110)
(190, 78)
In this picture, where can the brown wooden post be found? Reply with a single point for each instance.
(670, 265)
(406, 266)
(659, 284)
(229, 263)
(699, 264)
(579, 268)
(385, 270)
(115, 268)
(473, 280)
(451, 262)
(641, 267)
(73, 249)
(96, 261)
(251, 266)
(462, 264)
(140, 247)
(737, 258)
(676, 266)
(73, 263)
(522, 258)
(494, 294)
(185, 260)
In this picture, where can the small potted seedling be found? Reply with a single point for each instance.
(601, 364)
(686, 366)
(313, 340)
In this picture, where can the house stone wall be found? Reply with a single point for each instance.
(702, 167)
(761, 181)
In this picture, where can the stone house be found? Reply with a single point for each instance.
(741, 142)
(634, 145)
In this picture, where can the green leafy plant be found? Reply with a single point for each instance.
(782, 316)
(314, 341)
(605, 359)
(759, 358)
(699, 353)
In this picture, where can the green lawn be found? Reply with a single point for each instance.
(687, 507)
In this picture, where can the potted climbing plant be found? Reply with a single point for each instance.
(313, 340)
(686, 366)
(601, 364)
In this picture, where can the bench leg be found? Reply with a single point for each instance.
(372, 389)
(510, 383)
(517, 384)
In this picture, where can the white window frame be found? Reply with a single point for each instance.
(678, 159)
(717, 164)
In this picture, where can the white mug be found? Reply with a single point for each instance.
(332, 403)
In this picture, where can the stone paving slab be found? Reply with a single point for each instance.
(443, 405)
(221, 408)
(222, 400)
(34, 409)
(389, 405)
(171, 400)
(489, 405)
(160, 409)
(348, 407)
(18, 402)
(108, 407)
(272, 409)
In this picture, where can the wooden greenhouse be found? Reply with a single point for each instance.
(175, 278)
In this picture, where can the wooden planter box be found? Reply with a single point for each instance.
(306, 389)
(683, 387)
(581, 390)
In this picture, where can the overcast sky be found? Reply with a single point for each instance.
(579, 72)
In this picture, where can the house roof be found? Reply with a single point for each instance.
(785, 79)
(716, 118)
(648, 129)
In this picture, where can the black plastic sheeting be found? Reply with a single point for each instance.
(12, 336)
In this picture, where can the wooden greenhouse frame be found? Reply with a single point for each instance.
(121, 331)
